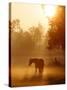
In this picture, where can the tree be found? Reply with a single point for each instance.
(36, 33)
(56, 34)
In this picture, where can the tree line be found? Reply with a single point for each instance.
(25, 42)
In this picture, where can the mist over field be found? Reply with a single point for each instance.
(24, 75)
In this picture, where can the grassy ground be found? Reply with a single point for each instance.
(27, 77)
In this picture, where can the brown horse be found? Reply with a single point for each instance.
(39, 64)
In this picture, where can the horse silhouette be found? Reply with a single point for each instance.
(39, 64)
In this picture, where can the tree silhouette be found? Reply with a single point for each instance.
(36, 33)
(56, 34)
(23, 43)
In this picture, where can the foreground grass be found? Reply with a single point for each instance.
(27, 77)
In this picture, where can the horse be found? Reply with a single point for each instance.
(39, 64)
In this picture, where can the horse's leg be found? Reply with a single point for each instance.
(35, 70)
(40, 71)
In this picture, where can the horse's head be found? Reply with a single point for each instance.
(30, 62)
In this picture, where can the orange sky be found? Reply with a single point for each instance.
(28, 14)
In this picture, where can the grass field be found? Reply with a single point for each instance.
(26, 76)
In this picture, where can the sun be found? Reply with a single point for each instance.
(49, 10)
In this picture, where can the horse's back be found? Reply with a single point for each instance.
(37, 61)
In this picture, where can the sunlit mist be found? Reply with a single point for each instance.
(50, 10)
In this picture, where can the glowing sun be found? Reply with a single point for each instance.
(49, 10)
